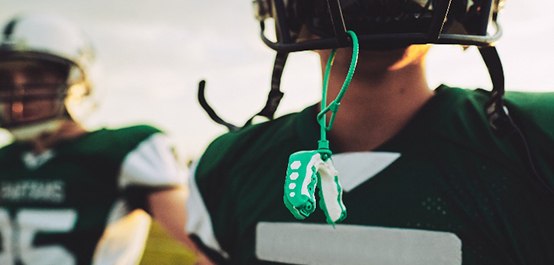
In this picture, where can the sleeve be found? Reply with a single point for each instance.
(151, 164)
(199, 222)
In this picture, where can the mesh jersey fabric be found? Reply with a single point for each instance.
(454, 175)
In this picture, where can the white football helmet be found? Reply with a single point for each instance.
(50, 40)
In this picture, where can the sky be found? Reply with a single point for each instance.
(151, 54)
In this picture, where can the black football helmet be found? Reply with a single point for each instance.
(383, 24)
(379, 23)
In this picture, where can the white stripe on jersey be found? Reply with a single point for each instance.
(198, 218)
(321, 244)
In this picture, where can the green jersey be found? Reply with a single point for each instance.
(445, 190)
(71, 204)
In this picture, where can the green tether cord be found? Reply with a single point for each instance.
(323, 143)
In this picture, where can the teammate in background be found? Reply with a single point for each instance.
(429, 176)
(68, 195)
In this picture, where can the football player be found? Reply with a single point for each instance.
(426, 175)
(68, 195)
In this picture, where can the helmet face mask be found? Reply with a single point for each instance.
(44, 62)
(379, 23)
(31, 91)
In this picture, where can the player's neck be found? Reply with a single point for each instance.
(377, 105)
(68, 130)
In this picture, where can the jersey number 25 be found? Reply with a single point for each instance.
(17, 236)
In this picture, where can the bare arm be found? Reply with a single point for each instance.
(168, 208)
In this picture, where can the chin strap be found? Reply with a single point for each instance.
(273, 98)
(275, 94)
(497, 113)
(211, 112)
(499, 118)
